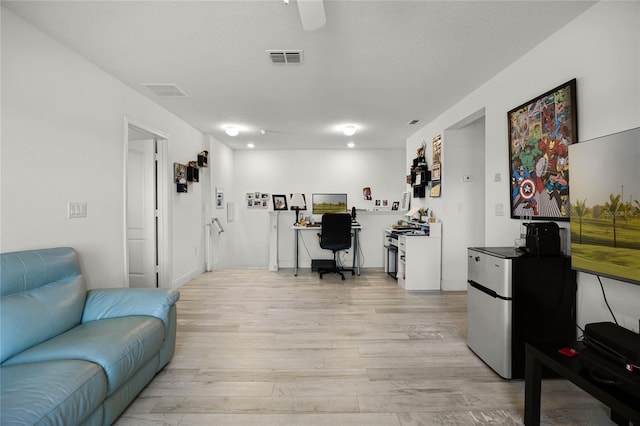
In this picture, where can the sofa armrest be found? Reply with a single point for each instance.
(122, 302)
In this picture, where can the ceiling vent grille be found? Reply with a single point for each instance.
(412, 122)
(165, 90)
(285, 56)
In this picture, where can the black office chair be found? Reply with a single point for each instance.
(335, 235)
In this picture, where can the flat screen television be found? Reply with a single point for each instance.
(329, 203)
(604, 194)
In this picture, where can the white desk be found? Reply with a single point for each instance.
(355, 227)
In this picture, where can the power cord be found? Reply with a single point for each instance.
(605, 300)
(305, 246)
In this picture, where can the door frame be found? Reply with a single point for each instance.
(163, 193)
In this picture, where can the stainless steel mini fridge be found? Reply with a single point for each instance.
(513, 298)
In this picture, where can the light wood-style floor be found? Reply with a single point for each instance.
(267, 348)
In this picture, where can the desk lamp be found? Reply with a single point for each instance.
(297, 203)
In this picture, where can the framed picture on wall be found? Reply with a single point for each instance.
(435, 189)
(540, 132)
(435, 171)
(180, 173)
(279, 202)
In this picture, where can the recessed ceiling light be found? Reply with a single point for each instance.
(349, 130)
(232, 130)
(263, 131)
(351, 144)
(250, 145)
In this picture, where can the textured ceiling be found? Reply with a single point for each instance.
(375, 64)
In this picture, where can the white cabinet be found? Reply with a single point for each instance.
(419, 258)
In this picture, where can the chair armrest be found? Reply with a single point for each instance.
(122, 302)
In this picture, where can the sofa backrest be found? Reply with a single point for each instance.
(42, 294)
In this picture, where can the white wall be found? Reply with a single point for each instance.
(221, 165)
(601, 49)
(309, 171)
(63, 139)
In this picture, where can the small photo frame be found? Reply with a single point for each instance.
(219, 198)
(279, 202)
(180, 173)
(435, 171)
(437, 149)
(366, 193)
(395, 205)
(435, 189)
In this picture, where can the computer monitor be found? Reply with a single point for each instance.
(329, 203)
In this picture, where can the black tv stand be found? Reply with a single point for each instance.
(625, 407)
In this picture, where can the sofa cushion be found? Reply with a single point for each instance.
(27, 270)
(43, 295)
(52, 392)
(119, 345)
(35, 316)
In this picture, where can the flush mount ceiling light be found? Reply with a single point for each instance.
(250, 145)
(232, 130)
(349, 130)
(351, 144)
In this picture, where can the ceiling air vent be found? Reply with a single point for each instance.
(165, 90)
(412, 122)
(285, 56)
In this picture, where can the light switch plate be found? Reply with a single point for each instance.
(76, 210)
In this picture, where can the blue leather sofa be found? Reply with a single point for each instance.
(69, 356)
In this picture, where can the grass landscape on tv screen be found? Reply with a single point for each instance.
(605, 206)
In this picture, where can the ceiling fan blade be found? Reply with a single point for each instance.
(311, 14)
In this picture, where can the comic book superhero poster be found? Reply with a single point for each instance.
(540, 132)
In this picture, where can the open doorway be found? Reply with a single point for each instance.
(463, 177)
(146, 209)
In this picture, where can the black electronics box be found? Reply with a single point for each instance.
(543, 239)
(612, 356)
(322, 264)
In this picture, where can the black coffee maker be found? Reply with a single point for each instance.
(543, 239)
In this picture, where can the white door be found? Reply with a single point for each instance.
(141, 213)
